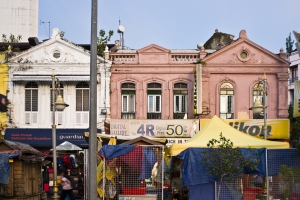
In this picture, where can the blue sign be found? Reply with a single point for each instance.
(42, 137)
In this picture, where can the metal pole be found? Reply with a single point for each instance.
(55, 187)
(266, 184)
(92, 183)
(265, 106)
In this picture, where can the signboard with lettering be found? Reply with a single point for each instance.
(276, 128)
(155, 128)
(171, 141)
(43, 137)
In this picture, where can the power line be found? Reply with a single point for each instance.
(45, 27)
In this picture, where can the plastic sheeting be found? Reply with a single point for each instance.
(4, 168)
(67, 146)
(193, 170)
(112, 151)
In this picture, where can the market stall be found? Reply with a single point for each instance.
(193, 170)
(70, 158)
(133, 169)
(20, 171)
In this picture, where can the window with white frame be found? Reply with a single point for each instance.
(82, 103)
(58, 114)
(258, 93)
(31, 103)
(154, 101)
(226, 101)
(180, 100)
(128, 101)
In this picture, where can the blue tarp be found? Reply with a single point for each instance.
(278, 157)
(4, 168)
(193, 170)
(112, 151)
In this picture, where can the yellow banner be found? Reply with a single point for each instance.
(296, 112)
(276, 128)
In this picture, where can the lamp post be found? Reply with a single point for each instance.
(58, 105)
(258, 107)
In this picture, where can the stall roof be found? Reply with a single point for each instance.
(143, 140)
(21, 150)
(67, 146)
(213, 129)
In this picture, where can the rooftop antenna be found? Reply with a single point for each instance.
(121, 30)
(45, 27)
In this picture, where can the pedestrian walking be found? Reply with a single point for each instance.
(66, 187)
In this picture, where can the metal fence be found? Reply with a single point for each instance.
(281, 180)
(137, 175)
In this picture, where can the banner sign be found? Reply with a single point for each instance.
(296, 112)
(154, 128)
(43, 137)
(276, 128)
(171, 141)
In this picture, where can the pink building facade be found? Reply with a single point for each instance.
(158, 83)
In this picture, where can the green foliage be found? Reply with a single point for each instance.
(62, 34)
(200, 61)
(289, 45)
(9, 41)
(225, 162)
(294, 128)
(288, 175)
(102, 41)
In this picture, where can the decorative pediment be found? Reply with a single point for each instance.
(153, 54)
(54, 50)
(153, 48)
(244, 51)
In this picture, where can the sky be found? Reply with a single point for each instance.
(173, 24)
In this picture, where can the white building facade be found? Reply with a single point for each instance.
(30, 83)
(293, 74)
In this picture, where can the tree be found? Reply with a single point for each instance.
(10, 41)
(294, 128)
(102, 41)
(289, 45)
(7, 46)
(225, 162)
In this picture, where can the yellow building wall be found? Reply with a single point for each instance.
(3, 89)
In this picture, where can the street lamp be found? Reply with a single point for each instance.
(58, 105)
(258, 107)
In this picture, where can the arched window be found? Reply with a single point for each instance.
(154, 101)
(180, 100)
(31, 103)
(128, 101)
(226, 101)
(258, 93)
(82, 103)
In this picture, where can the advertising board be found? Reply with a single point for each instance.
(155, 128)
(276, 128)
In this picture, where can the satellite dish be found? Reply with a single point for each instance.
(121, 29)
